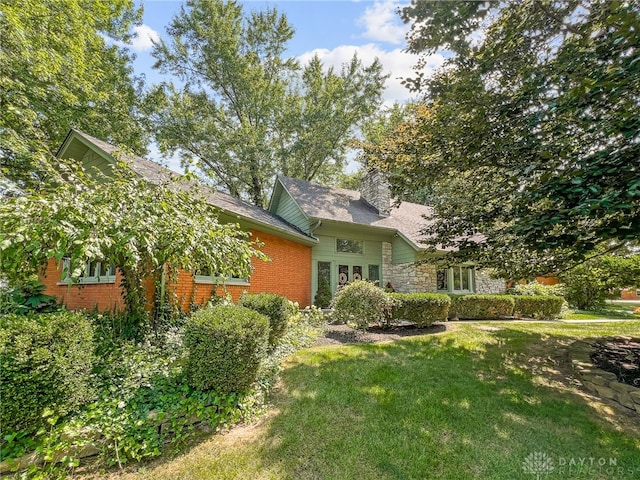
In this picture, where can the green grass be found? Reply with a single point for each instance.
(612, 310)
(471, 403)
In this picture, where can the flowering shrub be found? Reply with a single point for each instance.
(361, 303)
(538, 289)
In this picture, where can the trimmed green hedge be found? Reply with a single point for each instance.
(481, 306)
(420, 308)
(276, 308)
(538, 306)
(225, 345)
(46, 362)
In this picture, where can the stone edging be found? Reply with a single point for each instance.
(604, 384)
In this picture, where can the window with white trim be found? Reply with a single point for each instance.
(204, 276)
(95, 271)
(459, 279)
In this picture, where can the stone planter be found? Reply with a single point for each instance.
(602, 383)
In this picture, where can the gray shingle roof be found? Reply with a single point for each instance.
(342, 205)
(156, 173)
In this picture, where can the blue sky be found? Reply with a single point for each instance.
(332, 29)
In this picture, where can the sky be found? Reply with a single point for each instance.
(333, 29)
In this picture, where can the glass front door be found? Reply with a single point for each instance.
(349, 273)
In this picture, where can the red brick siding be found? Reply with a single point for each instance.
(288, 273)
(100, 296)
(630, 294)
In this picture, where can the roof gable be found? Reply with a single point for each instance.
(319, 202)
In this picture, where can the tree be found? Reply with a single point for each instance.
(588, 285)
(58, 70)
(244, 112)
(142, 228)
(528, 137)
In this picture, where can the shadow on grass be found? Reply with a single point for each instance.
(447, 407)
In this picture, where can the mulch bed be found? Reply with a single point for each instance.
(341, 334)
(620, 356)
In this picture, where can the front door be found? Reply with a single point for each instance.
(349, 273)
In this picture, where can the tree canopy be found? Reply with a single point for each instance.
(61, 67)
(243, 112)
(125, 221)
(528, 138)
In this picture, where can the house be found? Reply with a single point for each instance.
(361, 235)
(310, 232)
(630, 294)
(287, 273)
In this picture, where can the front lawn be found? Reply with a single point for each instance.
(612, 310)
(483, 400)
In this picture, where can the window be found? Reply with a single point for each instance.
(203, 275)
(94, 272)
(349, 246)
(343, 274)
(456, 279)
(374, 274)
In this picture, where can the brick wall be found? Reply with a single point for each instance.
(630, 294)
(288, 273)
(100, 296)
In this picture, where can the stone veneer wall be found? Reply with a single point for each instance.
(487, 284)
(409, 278)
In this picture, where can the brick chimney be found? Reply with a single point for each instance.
(375, 191)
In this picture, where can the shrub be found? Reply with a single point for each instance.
(323, 295)
(276, 308)
(45, 364)
(538, 289)
(481, 306)
(27, 296)
(361, 303)
(225, 345)
(421, 308)
(543, 307)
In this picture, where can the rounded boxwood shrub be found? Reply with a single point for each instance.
(420, 308)
(361, 303)
(46, 362)
(225, 344)
(544, 307)
(481, 306)
(276, 308)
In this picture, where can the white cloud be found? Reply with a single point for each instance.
(395, 62)
(144, 36)
(382, 22)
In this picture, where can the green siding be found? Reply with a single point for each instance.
(402, 252)
(288, 209)
(325, 251)
(93, 161)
